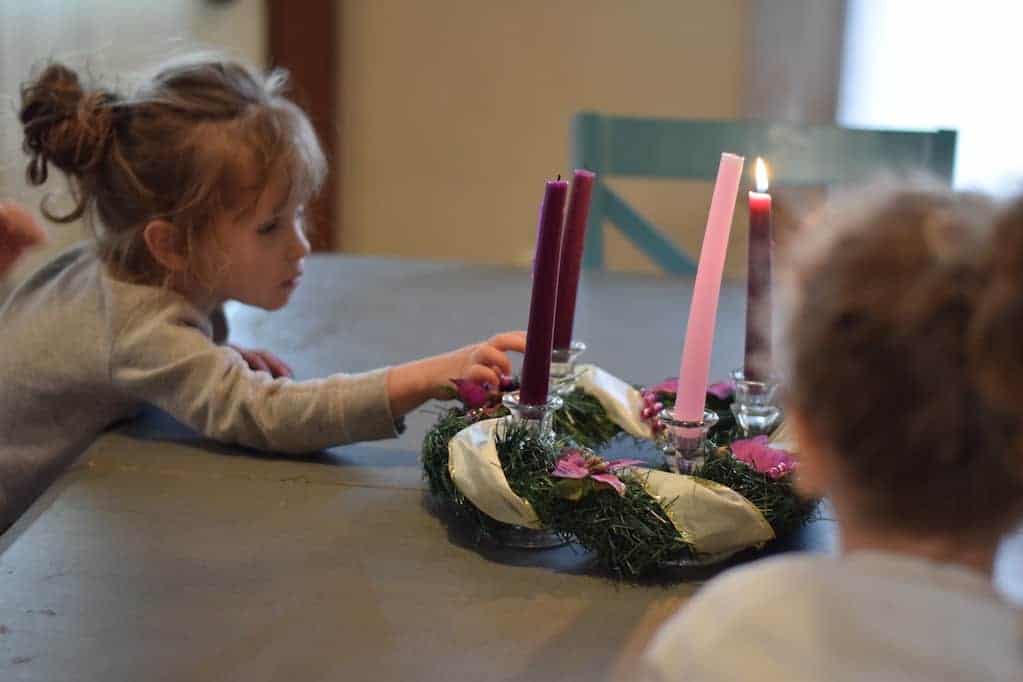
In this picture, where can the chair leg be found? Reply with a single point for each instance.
(646, 237)
(593, 247)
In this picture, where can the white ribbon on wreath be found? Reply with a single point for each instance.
(710, 517)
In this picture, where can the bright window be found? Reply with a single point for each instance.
(941, 64)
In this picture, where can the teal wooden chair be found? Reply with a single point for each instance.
(818, 155)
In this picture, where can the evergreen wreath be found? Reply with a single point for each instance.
(578, 495)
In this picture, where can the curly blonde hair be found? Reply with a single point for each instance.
(904, 354)
(186, 147)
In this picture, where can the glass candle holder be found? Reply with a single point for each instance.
(539, 422)
(538, 419)
(755, 407)
(685, 444)
(563, 367)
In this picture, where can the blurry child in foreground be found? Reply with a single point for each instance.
(904, 389)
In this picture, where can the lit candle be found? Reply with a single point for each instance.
(757, 361)
(695, 364)
(536, 362)
(571, 256)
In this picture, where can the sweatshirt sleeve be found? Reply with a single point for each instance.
(167, 357)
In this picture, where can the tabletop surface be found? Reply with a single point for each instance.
(162, 556)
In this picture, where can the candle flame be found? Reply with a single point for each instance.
(761, 173)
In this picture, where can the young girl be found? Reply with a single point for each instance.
(194, 187)
(904, 391)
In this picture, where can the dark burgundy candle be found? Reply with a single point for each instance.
(571, 256)
(536, 362)
(757, 361)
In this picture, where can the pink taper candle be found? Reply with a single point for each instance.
(536, 361)
(695, 365)
(571, 256)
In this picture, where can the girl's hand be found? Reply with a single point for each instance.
(264, 361)
(484, 363)
(413, 383)
(18, 231)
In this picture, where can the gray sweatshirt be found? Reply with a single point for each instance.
(80, 350)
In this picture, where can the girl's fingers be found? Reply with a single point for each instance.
(264, 361)
(256, 362)
(483, 375)
(486, 354)
(277, 366)
(515, 341)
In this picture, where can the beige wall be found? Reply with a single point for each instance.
(113, 43)
(455, 111)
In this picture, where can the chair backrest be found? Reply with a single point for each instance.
(817, 155)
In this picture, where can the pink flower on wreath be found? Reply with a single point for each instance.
(652, 406)
(471, 393)
(757, 453)
(575, 464)
(669, 385)
(474, 395)
(651, 411)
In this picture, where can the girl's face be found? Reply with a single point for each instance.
(256, 257)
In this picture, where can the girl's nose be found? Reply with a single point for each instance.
(300, 244)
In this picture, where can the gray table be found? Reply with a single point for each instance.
(160, 556)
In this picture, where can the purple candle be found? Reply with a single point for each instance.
(571, 256)
(757, 359)
(536, 362)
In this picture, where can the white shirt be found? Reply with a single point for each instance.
(863, 616)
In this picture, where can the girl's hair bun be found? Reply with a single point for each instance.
(63, 124)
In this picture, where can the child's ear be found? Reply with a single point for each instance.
(166, 245)
(816, 466)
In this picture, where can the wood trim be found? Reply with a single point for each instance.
(302, 37)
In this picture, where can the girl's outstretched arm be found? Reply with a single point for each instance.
(413, 383)
(163, 353)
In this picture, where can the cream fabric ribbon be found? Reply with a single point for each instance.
(476, 471)
(620, 400)
(710, 517)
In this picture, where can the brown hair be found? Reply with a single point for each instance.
(905, 357)
(185, 148)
